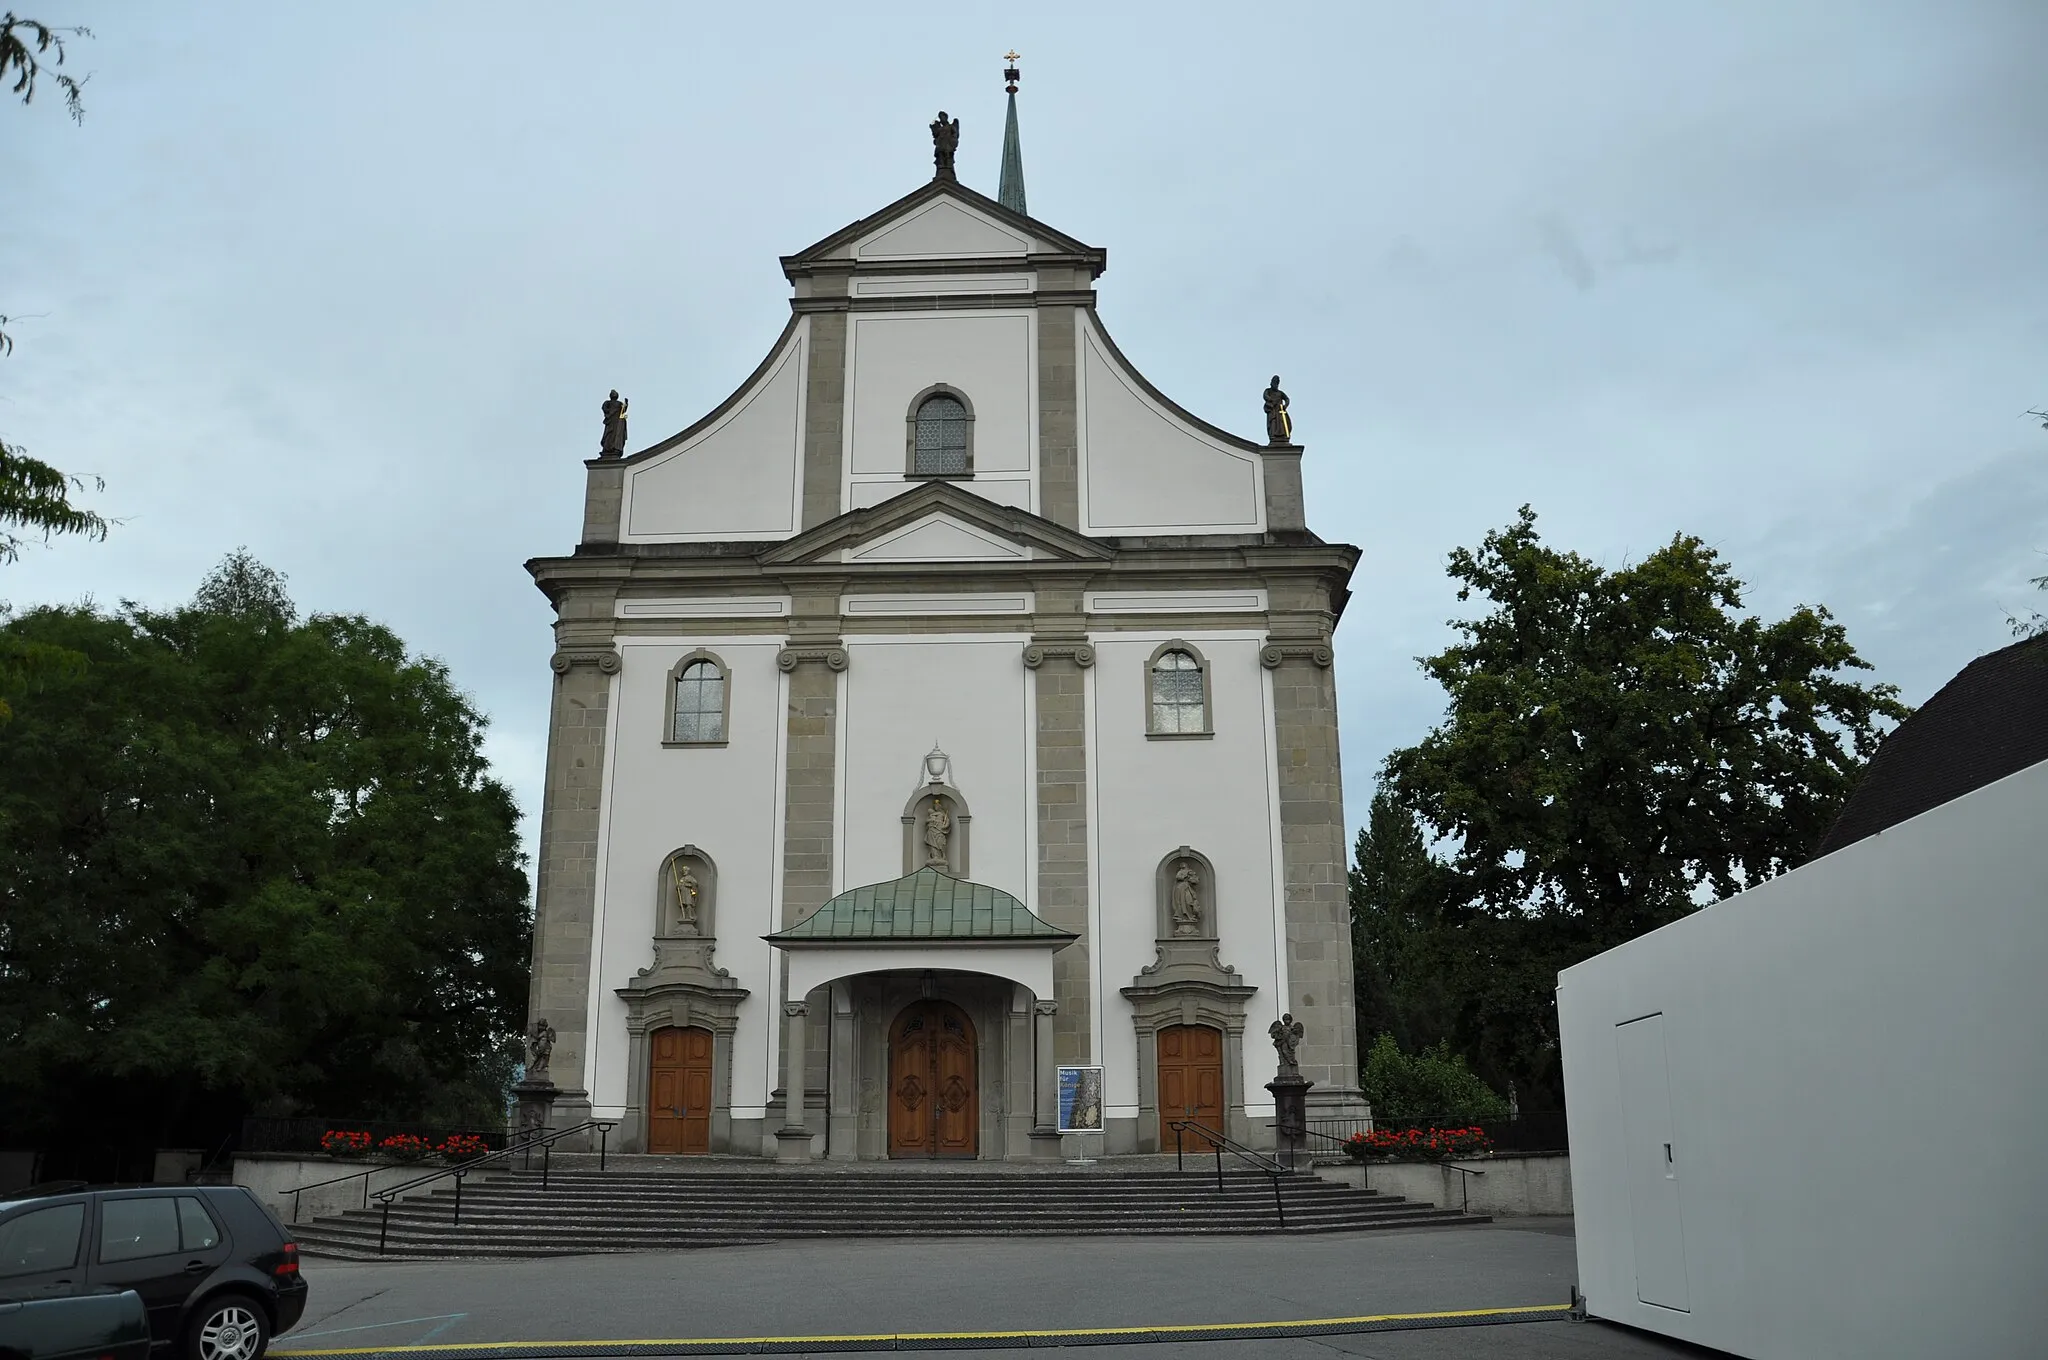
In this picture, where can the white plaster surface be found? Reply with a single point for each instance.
(1028, 966)
(940, 230)
(1174, 601)
(1155, 796)
(704, 607)
(899, 697)
(938, 537)
(1146, 470)
(856, 606)
(721, 799)
(1009, 489)
(738, 479)
(989, 356)
(1857, 1086)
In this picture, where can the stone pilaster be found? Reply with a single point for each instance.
(1318, 911)
(1057, 664)
(1059, 439)
(793, 1140)
(813, 663)
(824, 417)
(565, 903)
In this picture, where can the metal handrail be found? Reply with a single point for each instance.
(1464, 1186)
(516, 1145)
(1257, 1160)
(544, 1139)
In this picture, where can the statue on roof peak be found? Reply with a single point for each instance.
(945, 141)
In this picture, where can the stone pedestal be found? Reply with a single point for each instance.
(1045, 1145)
(536, 1105)
(1290, 1120)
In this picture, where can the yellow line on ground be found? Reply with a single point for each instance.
(930, 1336)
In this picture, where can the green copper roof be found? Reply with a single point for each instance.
(1010, 189)
(925, 906)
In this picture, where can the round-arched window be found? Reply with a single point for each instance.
(939, 444)
(699, 703)
(1177, 700)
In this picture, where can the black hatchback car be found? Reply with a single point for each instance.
(218, 1275)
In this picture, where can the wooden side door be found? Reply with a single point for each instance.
(934, 1083)
(679, 1091)
(1190, 1078)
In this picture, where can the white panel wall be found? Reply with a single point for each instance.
(740, 478)
(1857, 1065)
(965, 692)
(941, 230)
(721, 799)
(1151, 797)
(1145, 470)
(989, 356)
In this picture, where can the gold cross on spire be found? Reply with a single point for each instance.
(1012, 56)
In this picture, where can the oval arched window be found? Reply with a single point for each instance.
(939, 440)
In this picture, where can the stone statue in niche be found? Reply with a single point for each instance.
(686, 889)
(1279, 424)
(938, 832)
(1187, 900)
(613, 445)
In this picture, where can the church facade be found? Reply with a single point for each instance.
(945, 706)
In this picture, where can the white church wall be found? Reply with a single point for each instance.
(1152, 796)
(990, 357)
(1144, 469)
(738, 478)
(1828, 1039)
(719, 798)
(968, 694)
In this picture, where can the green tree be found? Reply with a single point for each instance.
(250, 864)
(1619, 748)
(1432, 1083)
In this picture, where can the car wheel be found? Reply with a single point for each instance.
(227, 1327)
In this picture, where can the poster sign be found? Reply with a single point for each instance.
(1080, 1099)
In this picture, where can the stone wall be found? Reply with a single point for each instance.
(271, 1176)
(1512, 1186)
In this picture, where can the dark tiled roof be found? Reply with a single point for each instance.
(1988, 722)
(925, 906)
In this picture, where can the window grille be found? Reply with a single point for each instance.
(1177, 704)
(940, 443)
(700, 703)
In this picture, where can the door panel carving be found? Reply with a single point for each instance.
(679, 1091)
(1190, 1078)
(935, 1109)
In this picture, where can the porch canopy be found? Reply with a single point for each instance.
(924, 920)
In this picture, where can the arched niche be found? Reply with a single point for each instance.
(1185, 891)
(686, 896)
(916, 826)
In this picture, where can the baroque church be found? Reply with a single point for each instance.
(946, 706)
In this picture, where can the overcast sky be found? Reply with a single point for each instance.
(346, 283)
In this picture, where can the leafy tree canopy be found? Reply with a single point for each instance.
(1434, 1083)
(250, 864)
(1620, 747)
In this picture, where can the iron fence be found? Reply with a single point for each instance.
(303, 1133)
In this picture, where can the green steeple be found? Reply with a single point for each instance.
(1010, 191)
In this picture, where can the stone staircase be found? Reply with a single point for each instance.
(586, 1210)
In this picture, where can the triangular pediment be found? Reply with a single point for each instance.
(942, 220)
(937, 523)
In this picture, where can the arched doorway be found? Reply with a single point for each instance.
(1190, 1079)
(934, 1086)
(679, 1091)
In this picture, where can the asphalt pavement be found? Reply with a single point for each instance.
(949, 1285)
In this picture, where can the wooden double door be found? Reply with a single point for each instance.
(679, 1091)
(934, 1086)
(1190, 1079)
